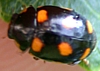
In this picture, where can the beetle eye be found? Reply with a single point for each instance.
(76, 17)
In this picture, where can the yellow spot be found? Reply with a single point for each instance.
(37, 45)
(40, 6)
(86, 62)
(42, 16)
(24, 10)
(31, 54)
(89, 27)
(69, 9)
(86, 53)
(17, 44)
(65, 49)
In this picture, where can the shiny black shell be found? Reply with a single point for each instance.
(52, 31)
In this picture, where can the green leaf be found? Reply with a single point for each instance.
(88, 8)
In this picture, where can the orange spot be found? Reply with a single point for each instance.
(42, 16)
(87, 51)
(37, 45)
(65, 49)
(89, 27)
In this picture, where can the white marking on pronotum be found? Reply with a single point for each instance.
(71, 23)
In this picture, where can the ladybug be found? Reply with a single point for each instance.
(53, 34)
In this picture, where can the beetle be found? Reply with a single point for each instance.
(53, 33)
